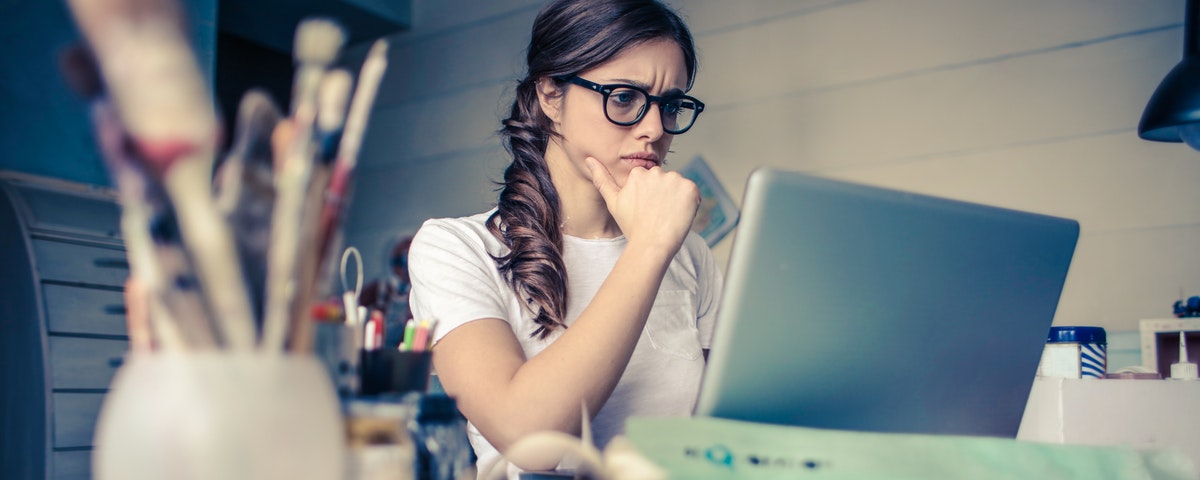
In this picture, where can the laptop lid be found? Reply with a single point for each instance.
(860, 308)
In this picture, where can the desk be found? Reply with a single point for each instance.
(1136, 413)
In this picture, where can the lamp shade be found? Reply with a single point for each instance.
(1173, 113)
(1175, 103)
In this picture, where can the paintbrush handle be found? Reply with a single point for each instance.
(317, 44)
(164, 102)
(211, 244)
(153, 265)
(341, 182)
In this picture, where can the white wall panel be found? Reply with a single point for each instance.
(394, 199)
(1060, 94)
(1119, 278)
(407, 133)
(433, 66)
(1027, 104)
(438, 15)
(865, 41)
(441, 186)
(1107, 183)
(707, 17)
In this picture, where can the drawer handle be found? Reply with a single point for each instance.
(111, 263)
(116, 362)
(115, 309)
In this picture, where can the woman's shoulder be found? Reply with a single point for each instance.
(470, 231)
(694, 246)
(695, 256)
(474, 224)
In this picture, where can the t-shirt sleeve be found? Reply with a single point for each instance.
(454, 279)
(709, 285)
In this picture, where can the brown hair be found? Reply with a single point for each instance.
(569, 36)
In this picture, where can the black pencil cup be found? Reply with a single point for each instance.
(387, 371)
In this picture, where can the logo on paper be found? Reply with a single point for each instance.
(724, 457)
(719, 455)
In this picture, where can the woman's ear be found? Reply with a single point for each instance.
(550, 98)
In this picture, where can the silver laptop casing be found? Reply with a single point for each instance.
(861, 308)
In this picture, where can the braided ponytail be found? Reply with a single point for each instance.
(529, 213)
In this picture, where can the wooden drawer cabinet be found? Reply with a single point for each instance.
(62, 322)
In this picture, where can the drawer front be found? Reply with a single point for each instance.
(84, 362)
(84, 310)
(68, 262)
(75, 418)
(72, 465)
(67, 212)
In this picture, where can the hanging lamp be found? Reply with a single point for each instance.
(1173, 113)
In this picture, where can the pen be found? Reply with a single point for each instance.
(374, 331)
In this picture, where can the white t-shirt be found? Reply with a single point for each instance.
(455, 281)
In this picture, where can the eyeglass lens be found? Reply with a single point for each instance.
(626, 106)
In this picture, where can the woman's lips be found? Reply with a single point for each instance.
(643, 160)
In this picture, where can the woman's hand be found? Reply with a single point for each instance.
(654, 207)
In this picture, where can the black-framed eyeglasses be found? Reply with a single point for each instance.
(625, 105)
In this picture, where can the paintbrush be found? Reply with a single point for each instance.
(158, 265)
(162, 99)
(333, 95)
(341, 183)
(317, 44)
(245, 186)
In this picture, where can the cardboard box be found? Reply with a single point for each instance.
(1158, 414)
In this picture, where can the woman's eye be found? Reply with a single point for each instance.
(623, 97)
(671, 108)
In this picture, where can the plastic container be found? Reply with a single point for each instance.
(220, 415)
(1075, 352)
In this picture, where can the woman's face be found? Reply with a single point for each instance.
(656, 66)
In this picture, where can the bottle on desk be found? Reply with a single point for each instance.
(1074, 352)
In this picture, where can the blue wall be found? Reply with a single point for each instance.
(44, 126)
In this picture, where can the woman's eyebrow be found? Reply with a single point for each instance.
(674, 92)
(646, 87)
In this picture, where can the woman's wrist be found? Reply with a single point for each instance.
(653, 251)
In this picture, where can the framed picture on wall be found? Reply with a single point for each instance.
(717, 214)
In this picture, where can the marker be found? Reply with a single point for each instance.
(410, 327)
(428, 342)
(421, 337)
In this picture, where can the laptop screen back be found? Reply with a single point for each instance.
(859, 308)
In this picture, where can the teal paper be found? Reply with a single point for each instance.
(717, 449)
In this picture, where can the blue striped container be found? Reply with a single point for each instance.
(1075, 352)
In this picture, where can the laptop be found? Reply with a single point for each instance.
(859, 308)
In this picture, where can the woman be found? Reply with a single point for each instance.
(584, 286)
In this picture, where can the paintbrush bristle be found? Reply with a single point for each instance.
(332, 97)
(318, 41)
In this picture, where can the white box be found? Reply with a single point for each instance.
(1158, 414)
